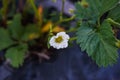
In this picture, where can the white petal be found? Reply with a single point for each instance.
(63, 34)
(52, 41)
(61, 45)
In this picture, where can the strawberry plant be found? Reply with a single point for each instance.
(27, 27)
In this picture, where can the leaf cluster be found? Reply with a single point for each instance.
(23, 27)
(15, 39)
(95, 34)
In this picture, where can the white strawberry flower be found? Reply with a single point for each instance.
(60, 40)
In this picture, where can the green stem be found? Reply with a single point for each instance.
(62, 10)
(72, 30)
(98, 22)
(73, 38)
(33, 5)
(39, 21)
(116, 24)
(34, 8)
(5, 4)
(51, 30)
(66, 20)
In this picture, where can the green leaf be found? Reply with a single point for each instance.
(31, 32)
(16, 55)
(86, 13)
(108, 5)
(89, 14)
(5, 40)
(98, 43)
(95, 9)
(115, 13)
(15, 28)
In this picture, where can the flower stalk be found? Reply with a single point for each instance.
(113, 22)
(73, 38)
(62, 10)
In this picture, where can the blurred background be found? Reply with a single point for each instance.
(67, 64)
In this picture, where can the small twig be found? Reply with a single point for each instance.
(40, 55)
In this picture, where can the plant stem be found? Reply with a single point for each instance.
(73, 38)
(37, 16)
(33, 5)
(116, 24)
(62, 10)
(72, 30)
(65, 20)
(35, 10)
(68, 19)
(4, 9)
(98, 22)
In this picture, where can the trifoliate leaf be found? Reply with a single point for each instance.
(5, 40)
(98, 43)
(16, 55)
(15, 28)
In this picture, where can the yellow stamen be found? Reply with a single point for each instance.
(59, 39)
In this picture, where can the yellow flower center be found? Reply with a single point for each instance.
(59, 39)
